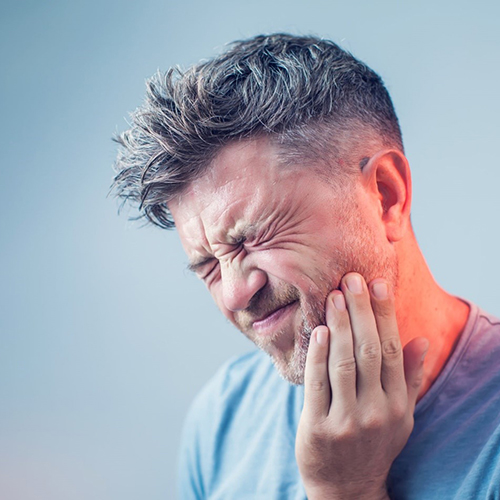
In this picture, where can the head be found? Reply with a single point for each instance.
(266, 160)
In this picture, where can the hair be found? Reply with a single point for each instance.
(315, 101)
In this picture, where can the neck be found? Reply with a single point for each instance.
(424, 309)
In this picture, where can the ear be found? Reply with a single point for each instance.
(386, 176)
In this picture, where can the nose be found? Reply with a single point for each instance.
(239, 285)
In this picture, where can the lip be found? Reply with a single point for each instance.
(268, 325)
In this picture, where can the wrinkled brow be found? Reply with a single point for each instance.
(237, 237)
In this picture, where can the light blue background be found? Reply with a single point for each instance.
(105, 339)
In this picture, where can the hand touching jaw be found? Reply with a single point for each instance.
(360, 394)
(264, 237)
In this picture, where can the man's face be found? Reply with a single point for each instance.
(271, 241)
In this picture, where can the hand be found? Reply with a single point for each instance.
(360, 394)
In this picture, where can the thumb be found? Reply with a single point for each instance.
(414, 355)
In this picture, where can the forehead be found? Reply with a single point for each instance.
(245, 189)
(244, 177)
(237, 163)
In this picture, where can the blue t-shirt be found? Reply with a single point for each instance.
(239, 436)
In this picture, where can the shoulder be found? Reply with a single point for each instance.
(470, 379)
(453, 449)
(483, 342)
(236, 381)
(487, 321)
(235, 378)
(236, 386)
(220, 423)
(473, 369)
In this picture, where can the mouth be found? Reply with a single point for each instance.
(268, 324)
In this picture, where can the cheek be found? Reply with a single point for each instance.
(307, 269)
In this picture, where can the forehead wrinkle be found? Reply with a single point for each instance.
(237, 218)
(191, 226)
(225, 213)
(199, 243)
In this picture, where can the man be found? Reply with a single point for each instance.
(282, 164)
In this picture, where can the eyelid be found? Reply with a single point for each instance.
(202, 270)
(206, 274)
(197, 267)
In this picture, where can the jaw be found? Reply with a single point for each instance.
(288, 349)
(291, 365)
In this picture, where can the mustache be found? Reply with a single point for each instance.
(264, 302)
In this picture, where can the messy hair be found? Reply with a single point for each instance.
(311, 98)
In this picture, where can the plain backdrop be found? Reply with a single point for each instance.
(105, 339)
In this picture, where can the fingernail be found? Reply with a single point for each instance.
(354, 283)
(322, 336)
(339, 301)
(380, 290)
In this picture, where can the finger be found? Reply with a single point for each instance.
(392, 370)
(414, 355)
(317, 394)
(341, 362)
(364, 330)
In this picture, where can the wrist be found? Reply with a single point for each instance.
(357, 493)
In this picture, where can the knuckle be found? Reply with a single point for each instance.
(347, 431)
(345, 366)
(416, 382)
(399, 410)
(369, 351)
(391, 348)
(409, 424)
(374, 421)
(317, 385)
(406, 426)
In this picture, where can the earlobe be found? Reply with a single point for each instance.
(387, 177)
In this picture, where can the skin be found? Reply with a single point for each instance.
(275, 246)
(360, 394)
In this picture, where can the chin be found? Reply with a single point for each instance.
(291, 366)
(292, 373)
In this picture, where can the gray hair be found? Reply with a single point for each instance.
(314, 100)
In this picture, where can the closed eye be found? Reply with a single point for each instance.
(209, 270)
(197, 267)
(205, 266)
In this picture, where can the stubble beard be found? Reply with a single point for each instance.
(370, 265)
(292, 369)
(357, 254)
